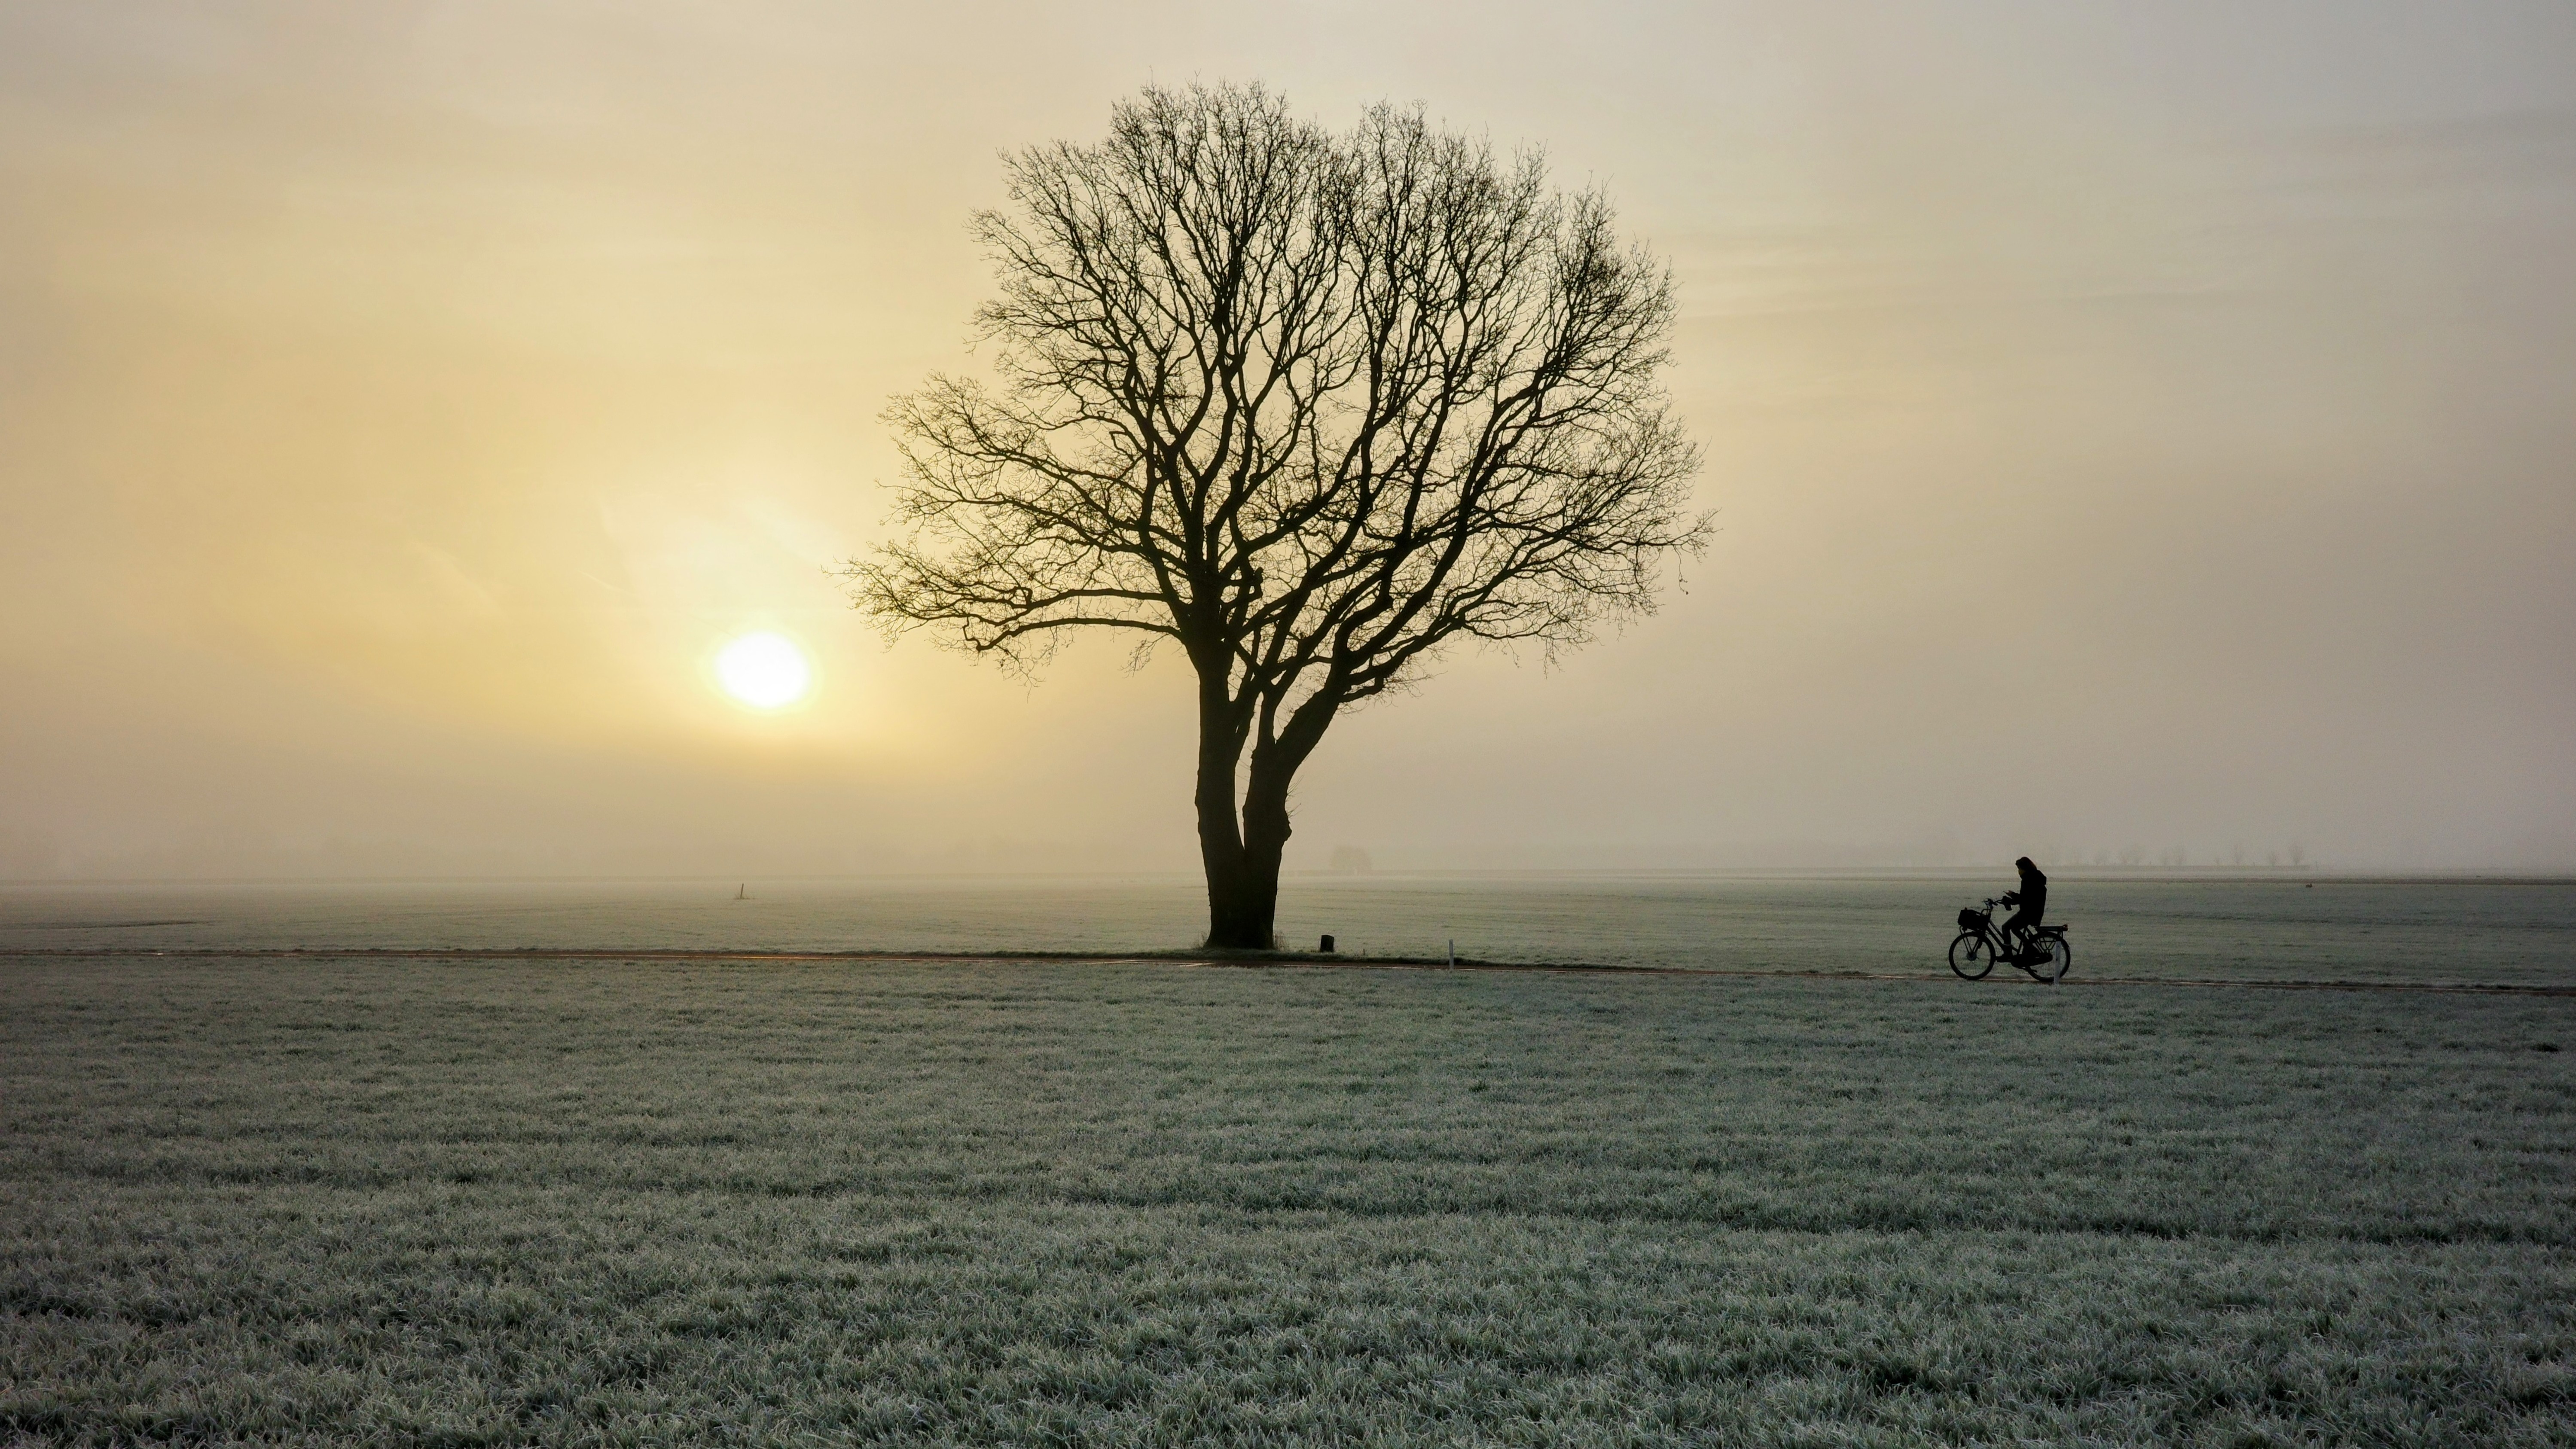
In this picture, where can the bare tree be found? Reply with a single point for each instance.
(1308, 406)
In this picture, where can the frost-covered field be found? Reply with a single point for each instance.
(430, 1202)
(2520, 932)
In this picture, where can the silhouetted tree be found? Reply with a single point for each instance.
(1308, 406)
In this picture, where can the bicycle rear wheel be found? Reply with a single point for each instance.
(2052, 967)
(1971, 957)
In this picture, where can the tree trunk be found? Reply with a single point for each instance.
(1243, 868)
(1239, 915)
(1242, 905)
(1265, 840)
(1241, 852)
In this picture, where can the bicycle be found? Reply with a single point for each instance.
(1980, 944)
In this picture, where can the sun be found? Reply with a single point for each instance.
(764, 670)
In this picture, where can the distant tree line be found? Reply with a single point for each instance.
(2293, 856)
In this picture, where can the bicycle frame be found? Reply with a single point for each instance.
(1990, 934)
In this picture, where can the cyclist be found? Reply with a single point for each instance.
(2032, 899)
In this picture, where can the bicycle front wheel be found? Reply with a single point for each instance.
(1971, 957)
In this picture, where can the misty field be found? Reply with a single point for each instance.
(1148, 1203)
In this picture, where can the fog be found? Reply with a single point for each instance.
(2134, 431)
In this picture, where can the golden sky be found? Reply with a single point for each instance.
(2132, 427)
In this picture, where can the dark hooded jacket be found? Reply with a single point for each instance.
(2034, 897)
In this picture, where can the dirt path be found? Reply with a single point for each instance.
(1210, 962)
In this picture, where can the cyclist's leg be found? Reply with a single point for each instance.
(2017, 930)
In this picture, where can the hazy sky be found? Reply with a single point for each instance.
(2148, 425)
